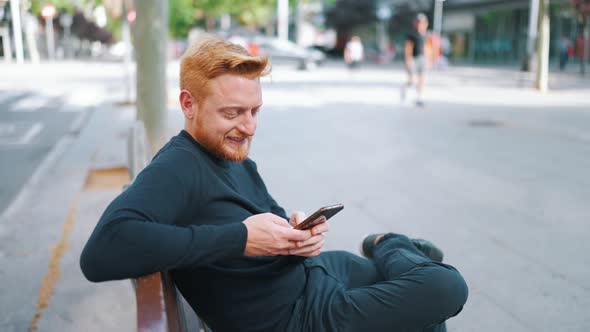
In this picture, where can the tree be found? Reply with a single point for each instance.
(348, 14)
(182, 16)
(345, 15)
(255, 13)
(60, 5)
(582, 8)
(185, 14)
(151, 32)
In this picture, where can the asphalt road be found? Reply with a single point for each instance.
(31, 124)
(494, 173)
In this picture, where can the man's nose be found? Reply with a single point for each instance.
(248, 124)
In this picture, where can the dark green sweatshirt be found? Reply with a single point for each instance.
(184, 213)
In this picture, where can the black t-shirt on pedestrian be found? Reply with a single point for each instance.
(418, 40)
(184, 213)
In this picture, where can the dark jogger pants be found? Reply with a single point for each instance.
(399, 290)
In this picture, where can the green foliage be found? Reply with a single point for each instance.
(181, 17)
(185, 14)
(114, 26)
(213, 8)
(37, 5)
(255, 12)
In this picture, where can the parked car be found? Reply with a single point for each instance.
(284, 51)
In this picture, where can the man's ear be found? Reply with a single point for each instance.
(187, 102)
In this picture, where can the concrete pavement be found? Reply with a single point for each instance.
(494, 173)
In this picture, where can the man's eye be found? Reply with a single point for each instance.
(230, 115)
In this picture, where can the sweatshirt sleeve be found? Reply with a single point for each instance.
(137, 235)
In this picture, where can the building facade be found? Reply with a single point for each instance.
(496, 31)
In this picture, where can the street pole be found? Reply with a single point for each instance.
(65, 21)
(225, 22)
(49, 36)
(381, 36)
(17, 30)
(299, 21)
(533, 27)
(585, 43)
(151, 35)
(437, 28)
(48, 13)
(127, 70)
(543, 47)
(383, 14)
(283, 19)
(438, 14)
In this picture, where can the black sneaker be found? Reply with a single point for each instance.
(426, 247)
(429, 249)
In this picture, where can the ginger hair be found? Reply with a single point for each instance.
(211, 57)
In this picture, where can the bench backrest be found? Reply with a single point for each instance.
(160, 306)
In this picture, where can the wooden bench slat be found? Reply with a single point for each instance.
(157, 304)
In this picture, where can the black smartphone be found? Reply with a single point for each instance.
(316, 218)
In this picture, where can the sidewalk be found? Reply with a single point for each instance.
(492, 197)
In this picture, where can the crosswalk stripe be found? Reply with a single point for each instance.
(9, 95)
(19, 133)
(31, 133)
(30, 104)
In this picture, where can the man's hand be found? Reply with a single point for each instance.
(271, 235)
(313, 245)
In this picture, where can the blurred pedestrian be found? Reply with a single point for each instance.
(415, 58)
(354, 52)
(564, 52)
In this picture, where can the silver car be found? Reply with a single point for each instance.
(284, 51)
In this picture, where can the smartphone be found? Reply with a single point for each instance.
(315, 219)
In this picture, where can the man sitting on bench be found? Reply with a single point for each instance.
(201, 211)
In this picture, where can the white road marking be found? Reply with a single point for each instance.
(49, 161)
(31, 133)
(30, 103)
(19, 133)
(5, 96)
(79, 121)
